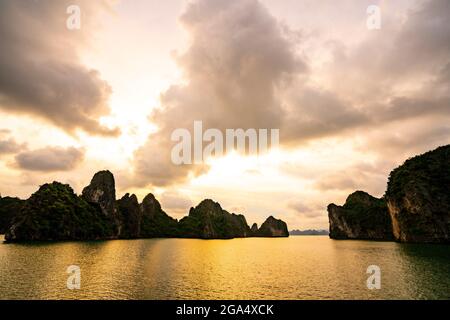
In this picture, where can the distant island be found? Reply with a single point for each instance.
(415, 207)
(308, 232)
(55, 212)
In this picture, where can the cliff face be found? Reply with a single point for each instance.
(155, 222)
(55, 212)
(9, 208)
(102, 192)
(273, 228)
(418, 198)
(415, 207)
(361, 217)
(130, 216)
(145, 220)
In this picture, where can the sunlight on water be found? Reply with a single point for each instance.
(308, 267)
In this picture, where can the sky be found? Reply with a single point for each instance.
(350, 102)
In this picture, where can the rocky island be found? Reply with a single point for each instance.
(415, 207)
(55, 213)
(361, 217)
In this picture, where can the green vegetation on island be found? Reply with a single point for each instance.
(415, 207)
(55, 212)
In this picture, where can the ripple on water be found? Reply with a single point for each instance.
(309, 267)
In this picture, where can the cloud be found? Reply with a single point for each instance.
(396, 75)
(50, 159)
(306, 210)
(338, 181)
(398, 141)
(426, 33)
(315, 113)
(9, 145)
(237, 60)
(41, 74)
(175, 203)
(243, 69)
(371, 178)
(398, 61)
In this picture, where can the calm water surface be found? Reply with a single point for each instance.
(302, 267)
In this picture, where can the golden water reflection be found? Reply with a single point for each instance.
(313, 267)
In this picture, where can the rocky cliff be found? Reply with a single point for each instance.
(55, 212)
(130, 216)
(209, 221)
(102, 192)
(145, 220)
(361, 217)
(418, 198)
(155, 222)
(273, 228)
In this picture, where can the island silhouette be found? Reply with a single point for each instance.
(55, 212)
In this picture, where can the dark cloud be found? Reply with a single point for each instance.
(423, 42)
(406, 59)
(314, 113)
(9, 145)
(40, 71)
(50, 159)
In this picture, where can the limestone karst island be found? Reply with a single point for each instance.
(414, 208)
(55, 212)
